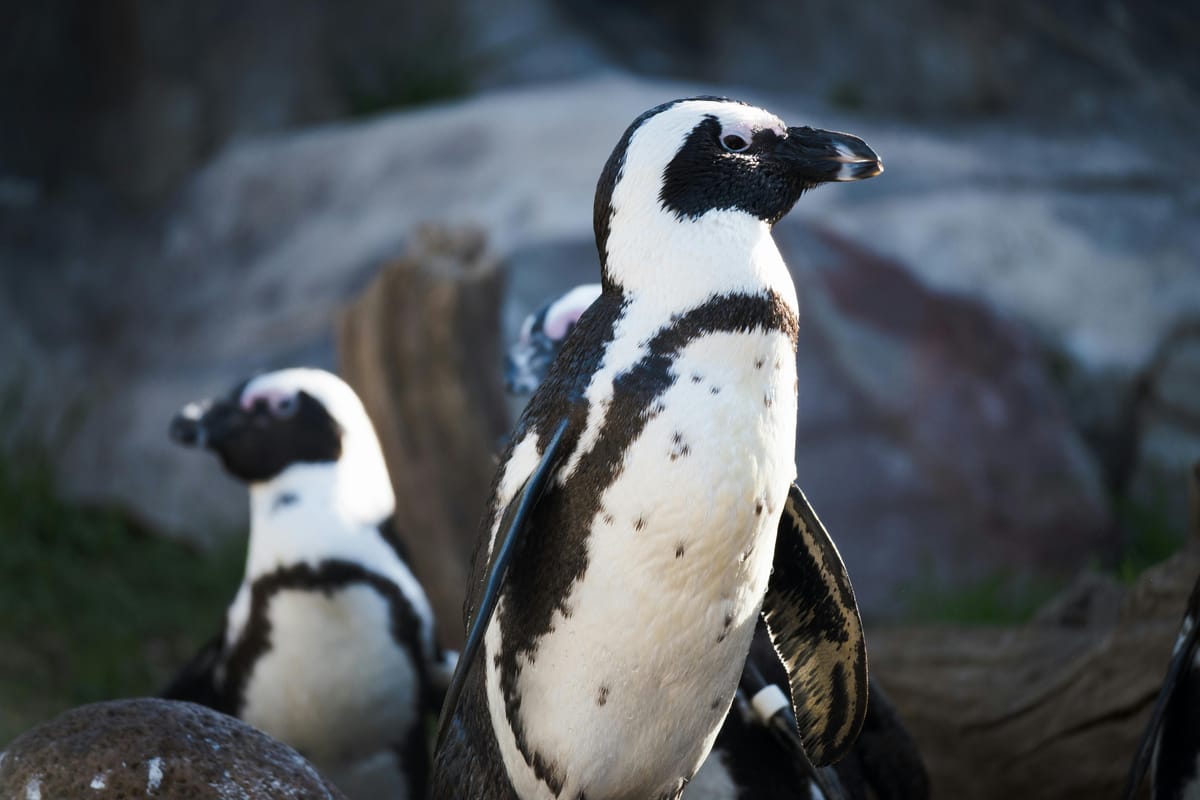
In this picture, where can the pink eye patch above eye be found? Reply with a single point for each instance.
(272, 397)
(556, 326)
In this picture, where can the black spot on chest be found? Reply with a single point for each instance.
(284, 500)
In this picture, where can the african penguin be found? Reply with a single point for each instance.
(1170, 746)
(644, 513)
(541, 337)
(329, 642)
(748, 761)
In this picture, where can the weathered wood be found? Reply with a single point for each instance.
(421, 346)
(1053, 709)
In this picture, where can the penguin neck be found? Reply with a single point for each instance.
(310, 512)
(675, 264)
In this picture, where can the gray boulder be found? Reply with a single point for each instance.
(155, 749)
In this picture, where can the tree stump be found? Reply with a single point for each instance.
(1054, 709)
(422, 347)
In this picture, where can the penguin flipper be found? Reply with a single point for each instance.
(509, 535)
(1181, 658)
(196, 682)
(815, 627)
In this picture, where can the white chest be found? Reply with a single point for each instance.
(627, 693)
(334, 684)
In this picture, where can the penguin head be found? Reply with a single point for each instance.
(690, 160)
(541, 337)
(276, 423)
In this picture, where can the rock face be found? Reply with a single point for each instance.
(173, 82)
(1083, 241)
(930, 439)
(155, 748)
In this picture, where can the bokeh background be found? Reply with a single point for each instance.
(1000, 348)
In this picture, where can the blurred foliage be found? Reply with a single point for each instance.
(390, 85)
(1149, 536)
(1001, 598)
(92, 606)
(846, 95)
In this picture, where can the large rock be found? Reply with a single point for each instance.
(930, 439)
(155, 749)
(133, 316)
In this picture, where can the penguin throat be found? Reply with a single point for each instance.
(304, 512)
(678, 264)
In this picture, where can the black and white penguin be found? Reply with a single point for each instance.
(542, 333)
(1170, 746)
(328, 645)
(750, 759)
(644, 513)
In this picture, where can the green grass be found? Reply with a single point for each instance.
(997, 599)
(434, 74)
(92, 606)
(1148, 536)
(846, 95)
(1003, 598)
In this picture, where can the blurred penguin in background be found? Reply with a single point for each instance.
(328, 644)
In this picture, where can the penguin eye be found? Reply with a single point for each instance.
(286, 406)
(735, 143)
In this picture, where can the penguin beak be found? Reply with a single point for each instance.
(206, 423)
(822, 156)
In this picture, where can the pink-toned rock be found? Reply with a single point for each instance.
(930, 439)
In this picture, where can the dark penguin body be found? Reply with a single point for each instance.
(647, 490)
(747, 762)
(1171, 743)
(328, 645)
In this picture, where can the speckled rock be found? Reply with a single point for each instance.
(155, 748)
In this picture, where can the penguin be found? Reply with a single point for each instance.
(645, 514)
(753, 757)
(541, 336)
(1170, 746)
(329, 644)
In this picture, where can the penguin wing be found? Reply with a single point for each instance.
(814, 624)
(514, 524)
(197, 681)
(1181, 658)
